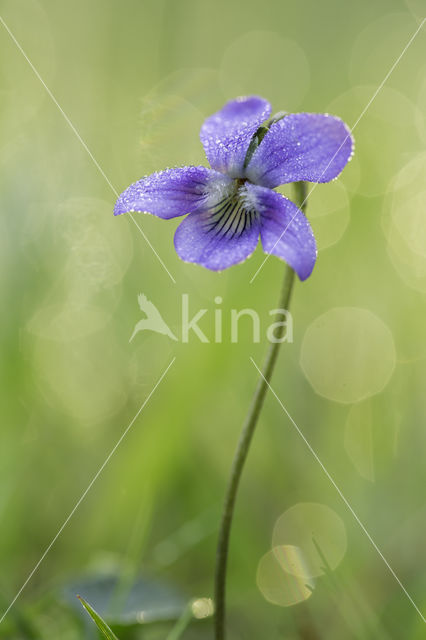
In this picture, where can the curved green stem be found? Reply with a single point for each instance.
(244, 445)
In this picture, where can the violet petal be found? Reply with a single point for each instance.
(227, 133)
(302, 146)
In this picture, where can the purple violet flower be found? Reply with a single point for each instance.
(233, 203)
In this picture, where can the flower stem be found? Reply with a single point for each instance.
(244, 445)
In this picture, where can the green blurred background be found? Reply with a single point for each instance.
(137, 78)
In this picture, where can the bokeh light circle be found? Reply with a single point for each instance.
(417, 8)
(252, 59)
(314, 539)
(202, 608)
(164, 123)
(348, 354)
(91, 251)
(370, 59)
(328, 210)
(404, 222)
(329, 213)
(277, 585)
(421, 107)
(382, 135)
(83, 378)
(197, 85)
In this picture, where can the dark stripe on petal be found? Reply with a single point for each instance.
(229, 218)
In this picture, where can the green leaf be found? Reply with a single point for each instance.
(101, 624)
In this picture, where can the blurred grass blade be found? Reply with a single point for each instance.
(101, 624)
(182, 623)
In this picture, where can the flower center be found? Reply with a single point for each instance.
(231, 215)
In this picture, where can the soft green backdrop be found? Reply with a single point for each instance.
(137, 78)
